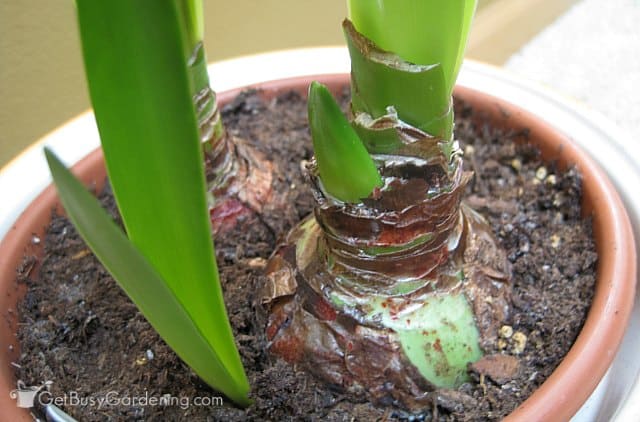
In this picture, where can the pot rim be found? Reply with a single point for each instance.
(616, 305)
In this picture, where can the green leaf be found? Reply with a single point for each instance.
(346, 169)
(141, 91)
(142, 283)
(420, 31)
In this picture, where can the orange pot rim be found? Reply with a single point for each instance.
(568, 387)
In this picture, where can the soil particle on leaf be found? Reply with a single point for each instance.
(81, 332)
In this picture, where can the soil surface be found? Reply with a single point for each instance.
(81, 332)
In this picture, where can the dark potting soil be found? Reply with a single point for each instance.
(81, 332)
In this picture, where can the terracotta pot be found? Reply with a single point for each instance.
(564, 391)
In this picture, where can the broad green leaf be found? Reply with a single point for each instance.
(346, 169)
(141, 91)
(142, 283)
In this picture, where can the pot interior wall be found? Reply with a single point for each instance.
(24, 241)
(611, 227)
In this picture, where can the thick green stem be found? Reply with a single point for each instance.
(212, 133)
(420, 31)
(205, 101)
(406, 54)
(192, 16)
(204, 98)
(381, 79)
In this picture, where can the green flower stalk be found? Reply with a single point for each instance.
(424, 32)
(428, 37)
(238, 176)
(193, 18)
(394, 285)
(412, 67)
(212, 133)
(381, 79)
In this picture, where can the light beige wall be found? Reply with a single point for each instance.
(41, 82)
(41, 77)
(501, 27)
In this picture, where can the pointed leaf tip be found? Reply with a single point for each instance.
(346, 170)
(144, 285)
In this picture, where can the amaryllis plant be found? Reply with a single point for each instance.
(394, 285)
